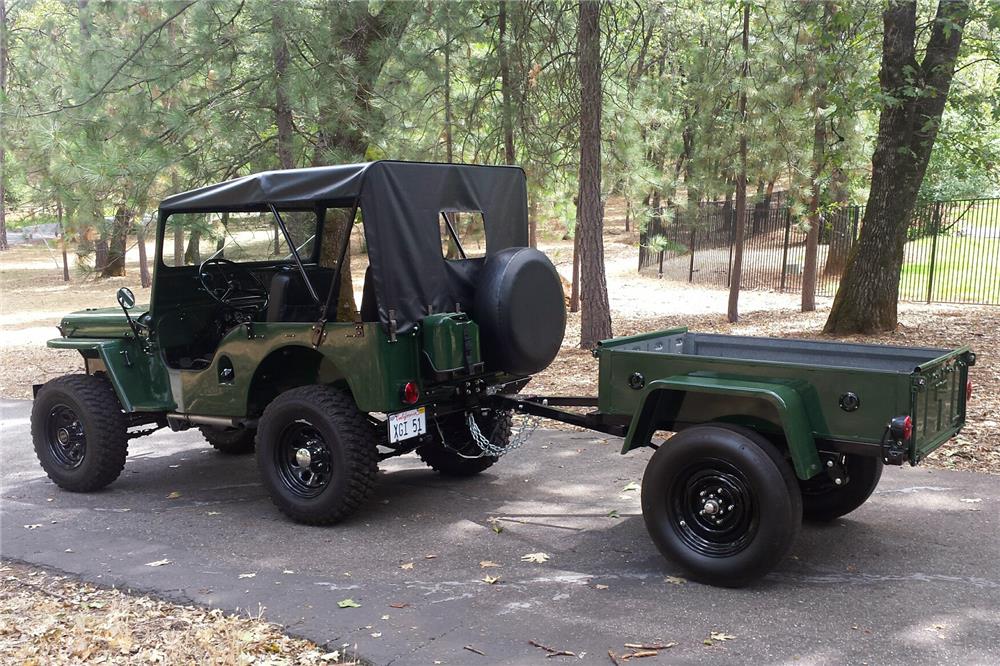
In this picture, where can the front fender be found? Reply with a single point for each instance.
(138, 377)
(787, 401)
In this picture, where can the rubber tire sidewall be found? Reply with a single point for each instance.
(94, 401)
(770, 479)
(864, 474)
(349, 439)
(230, 441)
(446, 462)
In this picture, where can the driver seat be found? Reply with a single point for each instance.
(288, 299)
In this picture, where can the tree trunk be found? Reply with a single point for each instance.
(62, 238)
(574, 292)
(3, 138)
(145, 280)
(114, 264)
(841, 227)
(868, 295)
(282, 108)
(192, 255)
(810, 267)
(449, 149)
(507, 120)
(741, 179)
(595, 318)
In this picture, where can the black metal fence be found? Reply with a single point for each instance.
(952, 253)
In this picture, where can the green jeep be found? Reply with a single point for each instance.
(456, 315)
(241, 337)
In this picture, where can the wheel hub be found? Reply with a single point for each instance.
(713, 509)
(303, 460)
(303, 457)
(66, 438)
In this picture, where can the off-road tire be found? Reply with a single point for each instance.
(823, 500)
(92, 400)
(758, 483)
(231, 441)
(443, 457)
(348, 438)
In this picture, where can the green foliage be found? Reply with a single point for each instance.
(114, 105)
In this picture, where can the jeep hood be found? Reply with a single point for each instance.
(98, 323)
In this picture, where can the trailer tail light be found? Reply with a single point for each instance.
(410, 393)
(968, 390)
(901, 428)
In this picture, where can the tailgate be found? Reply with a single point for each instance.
(938, 401)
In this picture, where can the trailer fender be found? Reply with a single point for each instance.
(787, 401)
(138, 377)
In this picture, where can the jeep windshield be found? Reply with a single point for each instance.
(191, 238)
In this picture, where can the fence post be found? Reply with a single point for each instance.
(936, 221)
(784, 252)
(660, 272)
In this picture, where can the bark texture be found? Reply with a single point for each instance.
(733, 313)
(916, 93)
(3, 141)
(595, 318)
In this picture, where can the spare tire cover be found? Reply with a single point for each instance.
(521, 311)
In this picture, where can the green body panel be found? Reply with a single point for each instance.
(274, 356)
(444, 341)
(97, 323)
(139, 377)
(792, 414)
(801, 401)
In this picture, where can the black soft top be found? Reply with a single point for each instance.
(401, 204)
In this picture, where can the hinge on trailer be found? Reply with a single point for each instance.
(319, 333)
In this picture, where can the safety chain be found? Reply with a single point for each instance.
(487, 448)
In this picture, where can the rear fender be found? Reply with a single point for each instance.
(139, 378)
(662, 395)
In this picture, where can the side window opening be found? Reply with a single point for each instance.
(463, 234)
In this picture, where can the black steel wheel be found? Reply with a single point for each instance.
(823, 500)
(317, 454)
(723, 505)
(452, 451)
(231, 441)
(79, 432)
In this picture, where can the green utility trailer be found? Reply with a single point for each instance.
(244, 338)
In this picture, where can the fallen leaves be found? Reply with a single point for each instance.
(552, 652)
(248, 575)
(495, 525)
(675, 580)
(158, 563)
(406, 566)
(718, 636)
(491, 580)
(348, 603)
(639, 651)
(536, 558)
(173, 495)
(486, 564)
(631, 486)
(613, 514)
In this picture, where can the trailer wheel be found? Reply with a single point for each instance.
(231, 441)
(317, 454)
(823, 500)
(723, 505)
(446, 456)
(79, 432)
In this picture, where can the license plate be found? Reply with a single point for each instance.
(404, 425)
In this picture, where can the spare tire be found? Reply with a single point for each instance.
(521, 312)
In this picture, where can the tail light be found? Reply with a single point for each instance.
(968, 390)
(410, 393)
(901, 428)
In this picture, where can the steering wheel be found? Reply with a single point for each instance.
(232, 285)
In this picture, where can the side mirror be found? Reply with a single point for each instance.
(126, 298)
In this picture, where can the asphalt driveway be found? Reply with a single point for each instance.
(911, 577)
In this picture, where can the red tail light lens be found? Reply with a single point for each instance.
(411, 393)
(901, 428)
(968, 390)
